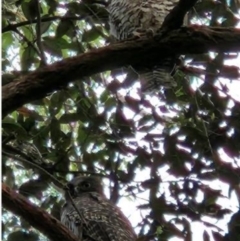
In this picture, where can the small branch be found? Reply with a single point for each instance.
(193, 40)
(36, 216)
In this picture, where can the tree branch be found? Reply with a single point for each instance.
(193, 40)
(38, 218)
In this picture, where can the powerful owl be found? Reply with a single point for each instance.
(128, 18)
(97, 219)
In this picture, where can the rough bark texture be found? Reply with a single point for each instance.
(38, 218)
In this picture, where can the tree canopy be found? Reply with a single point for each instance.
(71, 105)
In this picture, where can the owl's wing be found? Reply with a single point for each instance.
(97, 231)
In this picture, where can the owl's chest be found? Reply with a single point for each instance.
(90, 208)
(96, 218)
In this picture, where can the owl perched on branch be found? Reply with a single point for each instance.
(130, 18)
(97, 218)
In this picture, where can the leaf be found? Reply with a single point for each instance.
(91, 35)
(33, 188)
(10, 178)
(11, 127)
(206, 236)
(30, 9)
(7, 40)
(30, 113)
(45, 25)
(27, 57)
(21, 235)
(52, 45)
(69, 117)
(55, 130)
(63, 27)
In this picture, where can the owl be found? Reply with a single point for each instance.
(30, 151)
(128, 18)
(97, 218)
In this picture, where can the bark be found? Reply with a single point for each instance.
(36, 216)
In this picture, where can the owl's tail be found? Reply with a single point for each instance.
(153, 78)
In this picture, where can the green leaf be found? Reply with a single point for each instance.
(7, 40)
(21, 235)
(91, 35)
(30, 9)
(27, 57)
(63, 27)
(33, 188)
(10, 126)
(69, 117)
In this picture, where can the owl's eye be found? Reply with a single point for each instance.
(85, 185)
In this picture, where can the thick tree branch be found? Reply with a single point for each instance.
(38, 218)
(194, 40)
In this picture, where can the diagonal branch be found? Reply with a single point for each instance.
(38, 218)
(193, 40)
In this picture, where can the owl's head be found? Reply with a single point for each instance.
(80, 185)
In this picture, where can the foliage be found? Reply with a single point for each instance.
(175, 154)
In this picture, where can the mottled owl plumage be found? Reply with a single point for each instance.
(99, 219)
(30, 151)
(129, 18)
